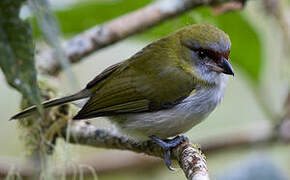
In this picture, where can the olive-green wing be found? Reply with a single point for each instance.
(133, 90)
(149, 81)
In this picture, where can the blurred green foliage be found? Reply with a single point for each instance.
(17, 51)
(82, 16)
(246, 46)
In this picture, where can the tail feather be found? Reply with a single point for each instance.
(54, 102)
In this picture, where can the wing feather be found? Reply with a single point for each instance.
(131, 88)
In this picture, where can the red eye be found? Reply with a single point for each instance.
(226, 55)
(215, 56)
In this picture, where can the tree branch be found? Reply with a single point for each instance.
(189, 156)
(263, 134)
(117, 29)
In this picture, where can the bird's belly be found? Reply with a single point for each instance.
(169, 122)
(163, 124)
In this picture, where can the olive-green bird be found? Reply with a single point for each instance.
(163, 90)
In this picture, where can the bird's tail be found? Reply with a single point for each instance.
(54, 102)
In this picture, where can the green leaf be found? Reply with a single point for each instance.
(17, 51)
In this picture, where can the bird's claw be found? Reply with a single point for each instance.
(167, 145)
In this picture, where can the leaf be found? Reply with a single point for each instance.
(17, 51)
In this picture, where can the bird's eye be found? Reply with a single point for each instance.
(201, 54)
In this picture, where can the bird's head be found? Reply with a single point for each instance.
(208, 49)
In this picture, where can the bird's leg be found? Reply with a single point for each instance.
(167, 145)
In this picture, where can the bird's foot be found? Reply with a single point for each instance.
(167, 145)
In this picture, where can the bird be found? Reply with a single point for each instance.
(163, 90)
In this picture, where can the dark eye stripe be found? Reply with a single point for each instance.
(214, 55)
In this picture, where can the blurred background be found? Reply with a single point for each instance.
(254, 104)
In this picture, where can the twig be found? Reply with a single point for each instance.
(192, 163)
(87, 134)
(189, 157)
(231, 6)
(117, 29)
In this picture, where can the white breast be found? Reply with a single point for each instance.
(174, 121)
